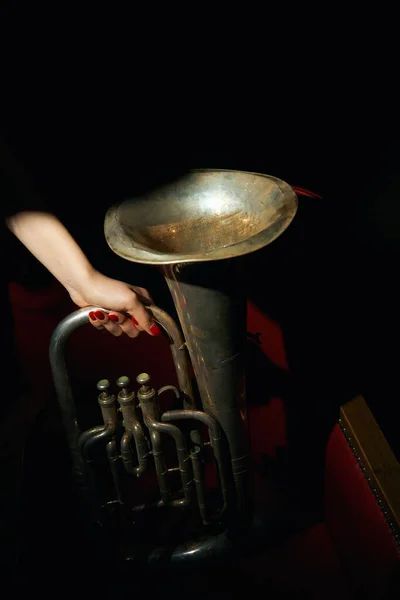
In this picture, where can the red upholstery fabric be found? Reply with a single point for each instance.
(358, 528)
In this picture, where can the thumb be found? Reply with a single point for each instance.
(142, 294)
(143, 318)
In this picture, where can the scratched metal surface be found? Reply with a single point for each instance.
(207, 215)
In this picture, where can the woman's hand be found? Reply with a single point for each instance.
(128, 314)
(52, 244)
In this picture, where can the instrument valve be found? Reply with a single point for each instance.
(145, 392)
(105, 399)
(143, 379)
(125, 396)
(103, 386)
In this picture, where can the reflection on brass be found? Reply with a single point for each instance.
(207, 215)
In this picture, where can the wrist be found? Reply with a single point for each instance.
(80, 286)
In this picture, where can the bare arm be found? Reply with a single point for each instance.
(52, 244)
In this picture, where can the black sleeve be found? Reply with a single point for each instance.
(17, 189)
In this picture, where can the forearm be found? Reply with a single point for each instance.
(51, 243)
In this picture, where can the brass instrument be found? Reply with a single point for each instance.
(197, 231)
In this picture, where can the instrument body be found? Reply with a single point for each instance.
(198, 232)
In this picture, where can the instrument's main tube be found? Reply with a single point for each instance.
(211, 306)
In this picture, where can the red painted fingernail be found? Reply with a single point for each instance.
(99, 314)
(113, 318)
(155, 330)
(92, 315)
(134, 320)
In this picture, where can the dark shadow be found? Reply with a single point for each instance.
(264, 379)
(300, 281)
